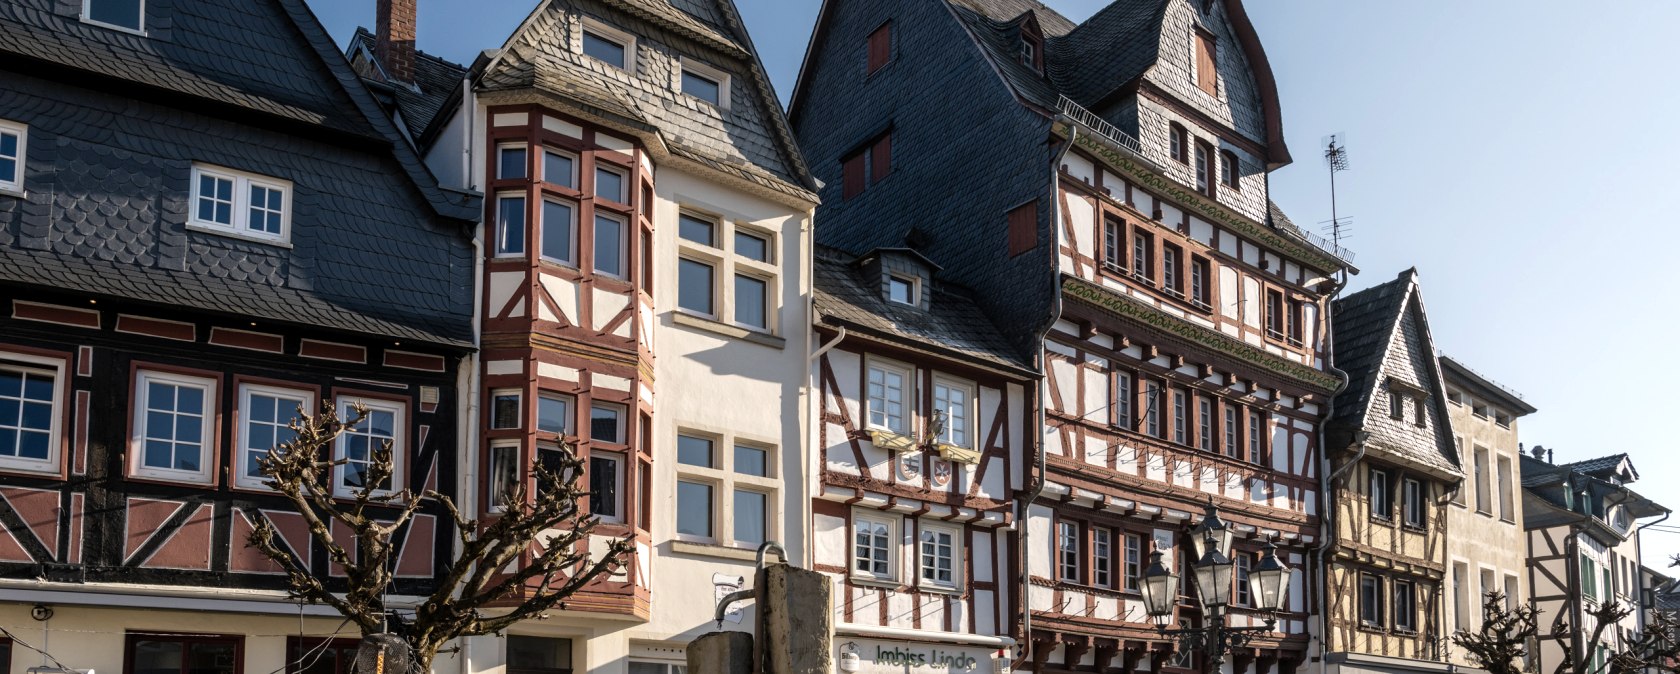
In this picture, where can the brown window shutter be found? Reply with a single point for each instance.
(880, 159)
(1207, 75)
(1023, 228)
(853, 170)
(880, 47)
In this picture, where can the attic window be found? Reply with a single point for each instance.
(614, 47)
(705, 83)
(1207, 58)
(866, 166)
(126, 15)
(902, 290)
(241, 205)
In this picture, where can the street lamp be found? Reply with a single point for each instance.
(1268, 584)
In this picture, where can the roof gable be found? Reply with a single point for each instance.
(748, 139)
(1383, 343)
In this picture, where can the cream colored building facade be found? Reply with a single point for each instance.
(1485, 540)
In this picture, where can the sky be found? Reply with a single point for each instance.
(1513, 151)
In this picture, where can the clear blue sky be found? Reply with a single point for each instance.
(1518, 153)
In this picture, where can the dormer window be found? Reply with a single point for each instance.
(614, 47)
(903, 290)
(705, 83)
(126, 15)
(242, 205)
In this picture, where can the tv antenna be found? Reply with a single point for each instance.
(1336, 157)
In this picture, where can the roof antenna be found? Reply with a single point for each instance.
(1336, 157)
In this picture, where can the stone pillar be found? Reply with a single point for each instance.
(795, 621)
(721, 653)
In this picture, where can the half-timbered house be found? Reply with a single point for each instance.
(920, 454)
(1486, 545)
(1102, 187)
(643, 296)
(1391, 464)
(1582, 522)
(205, 224)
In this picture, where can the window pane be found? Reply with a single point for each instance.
(504, 473)
(695, 229)
(125, 13)
(559, 169)
(694, 286)
(609, 185)
(752, 247)
(554, 415)
(751, 461)
(901, 291)
(604, 48)
(750, 512)
(512, 163)
(510, 226)
(700, 86)
(157, 657)
(606, 423)
(541, 654)
(694, 451)
(557, 219)
(694, 508)
(609, 246)
(750, 297)
(25, 414)
(504, 411)
(603, 486)
(8, 169)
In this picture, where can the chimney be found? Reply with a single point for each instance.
(394, 40)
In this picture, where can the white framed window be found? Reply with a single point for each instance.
(386, 422)
(904, 290)
(753, 246)
(726, 489)
(513, 161)
(752, 300)
(608, 45)
(874, 553)
(1371, 600)
(559, 167)
(610, 231)
(510, 225)
(1124, 397)
(696, 286)
(1067, 551)
(1243, 594)
(704, 82)
(956, 401)
(505, 410)
(1134, 562)
(1102, 557)
(606, 486)
(1416, 501)
(554, 414)
(14, 151)
(505, 472)
(725, 271)
(1152, 408)
(31, 404)
(124, 15)
(609, 183)
(889, 389)
(241, 205)
(698, 229)
(1405, 606)
(941, 553)
(265, 418)
(606, 423)
(559, 231)
(174, 417)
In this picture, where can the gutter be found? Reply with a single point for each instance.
(1327, 478)
(919, 635)
(1050, 319)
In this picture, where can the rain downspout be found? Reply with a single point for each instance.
(1327, 478)
(1038, 410)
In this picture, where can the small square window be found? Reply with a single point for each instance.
(752, 246)
(701, 86)
(601, 46)
(13, 138)
(752, 461)
(941, 556)
(606, 423)
(511, 162)
(609, 184)
(124, 14)
(554, 414)
(559, 231)
(559, 168)
(697, 229)
(215, 199)
(695, 451)
(504, 410)
(902, 290)
(872, 547)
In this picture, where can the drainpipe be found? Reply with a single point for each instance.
(469, 424)
(1038, 409)
(1327, 478)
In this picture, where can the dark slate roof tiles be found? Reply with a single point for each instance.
(436, 82)
(953, 324)
(1363, 323)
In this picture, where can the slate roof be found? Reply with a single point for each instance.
(1112, 48)
(1369, 337)
(952, 326)
(1600, 465)
(376, 248)
(750, 140)
(436, 83)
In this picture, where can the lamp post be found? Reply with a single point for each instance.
(1268, 585)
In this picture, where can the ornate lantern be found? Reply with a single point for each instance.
(1213, 574)
(1269, 581)
(1160, 590)
(1211, 525)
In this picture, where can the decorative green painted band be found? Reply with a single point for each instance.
(1164, 186)
(1128, 308)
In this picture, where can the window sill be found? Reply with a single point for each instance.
(871, 581)
(226, 234)
(727, 330)
(940, 589)
(8, 191)
(714, 550)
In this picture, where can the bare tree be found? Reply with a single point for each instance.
(543, 531)
(1502, 644)
(1604, 615)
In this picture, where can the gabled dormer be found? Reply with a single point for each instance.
(1031, 41)
(904, 277)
